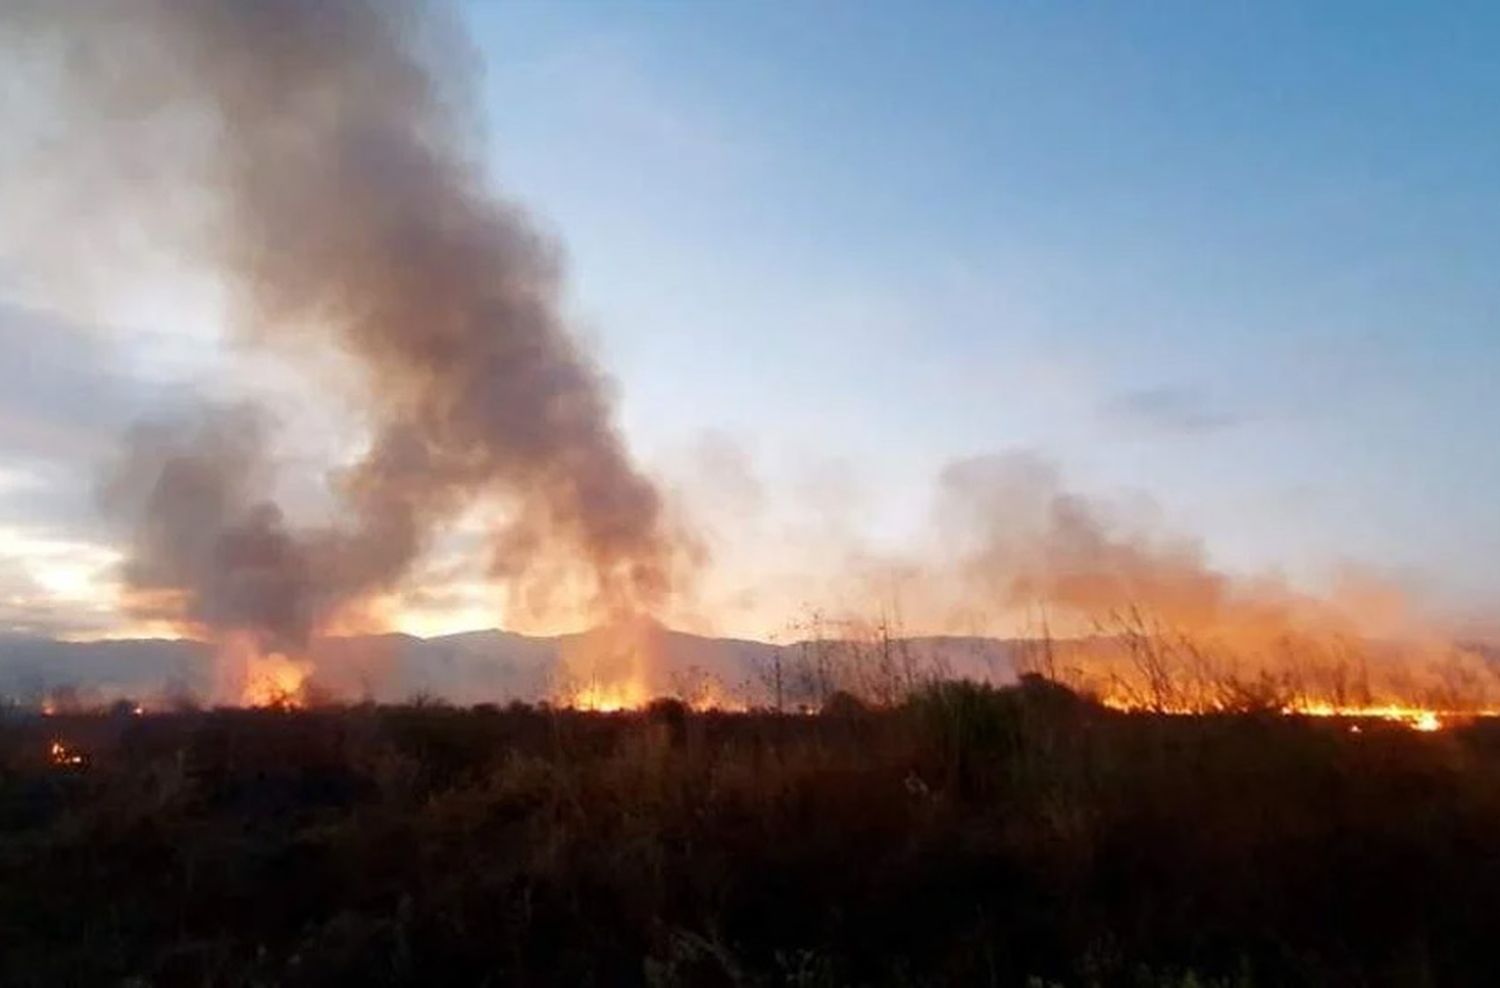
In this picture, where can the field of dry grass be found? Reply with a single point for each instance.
(964, 836)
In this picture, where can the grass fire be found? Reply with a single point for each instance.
(1021, 834)
(748, 495)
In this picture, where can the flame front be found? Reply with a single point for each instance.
(275, 681)
(1142, 667)
(627, 664)
(250, 676)
(608, 697)
(1415, 717)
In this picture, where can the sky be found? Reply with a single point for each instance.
(1229, 266)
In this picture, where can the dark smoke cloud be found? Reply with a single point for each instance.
(209, 549)
(344, 204)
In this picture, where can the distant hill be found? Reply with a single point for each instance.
(494, 665)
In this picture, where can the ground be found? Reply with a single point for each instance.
(968, 836)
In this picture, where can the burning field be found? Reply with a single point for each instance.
(1128, 807)
(325, 174)
(1034, 741)
(1013, 836)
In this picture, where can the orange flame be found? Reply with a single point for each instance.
(631, 694)
(275, 680)
(608, 697)
(1418, 718)
(252, 677)
(64, 756)
(625, 665)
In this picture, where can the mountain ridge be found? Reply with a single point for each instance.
(477, 665)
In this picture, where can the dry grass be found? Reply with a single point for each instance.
(965, 835)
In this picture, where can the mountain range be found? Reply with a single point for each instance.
(493, 665)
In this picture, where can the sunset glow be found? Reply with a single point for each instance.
(744, 493)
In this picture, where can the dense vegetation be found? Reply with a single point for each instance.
(967, 836)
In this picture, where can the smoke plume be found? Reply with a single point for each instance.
(1155, 624)
(1018, 537)
(335, 184)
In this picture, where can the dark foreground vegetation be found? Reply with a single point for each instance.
(970, 836)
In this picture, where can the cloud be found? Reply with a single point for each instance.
(1165, 409)
(65, 396)
(63, 393)
(55, 590)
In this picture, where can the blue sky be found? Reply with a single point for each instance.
(1235, 257)
(1230, 266)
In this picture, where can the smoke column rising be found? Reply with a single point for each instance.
(344, 204)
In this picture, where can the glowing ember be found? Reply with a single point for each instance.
(63, 756)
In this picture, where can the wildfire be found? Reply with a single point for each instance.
(608, 697)
(63, 756)
(1416, 718)
(626, 664)
(633, 693)
(1425, 684)
(274, 680)
(252, 676)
